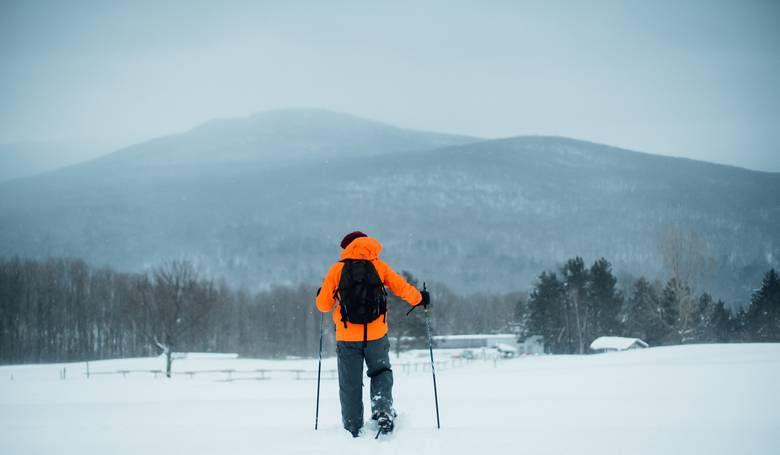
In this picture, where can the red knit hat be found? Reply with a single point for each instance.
(350, 237)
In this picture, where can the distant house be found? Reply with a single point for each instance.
(506, 343)
(609, 344)
(474, 341)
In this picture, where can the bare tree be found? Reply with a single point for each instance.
(686, 258)
(178, 303)
(575, 278)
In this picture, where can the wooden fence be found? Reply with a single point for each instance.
(258, 374)
(298, 374)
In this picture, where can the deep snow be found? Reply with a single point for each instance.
(707, 399)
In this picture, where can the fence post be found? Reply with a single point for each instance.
(87, 369)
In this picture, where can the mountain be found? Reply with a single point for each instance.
(274, 138)
(272, 202)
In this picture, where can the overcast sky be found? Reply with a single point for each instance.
(699, 79)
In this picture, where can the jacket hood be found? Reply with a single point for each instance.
(362, 248)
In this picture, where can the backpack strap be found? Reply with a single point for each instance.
(337, 297)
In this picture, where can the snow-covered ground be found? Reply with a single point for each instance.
(704, 399)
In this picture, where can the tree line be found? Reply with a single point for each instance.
(62, 309)
(576, 304)
(65, 310)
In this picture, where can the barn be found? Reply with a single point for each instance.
(611, 344)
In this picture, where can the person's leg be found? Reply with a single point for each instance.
(350, 365)
(378, 362)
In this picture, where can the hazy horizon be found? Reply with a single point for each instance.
(696, 80)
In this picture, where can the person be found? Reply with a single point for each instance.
(367, 342)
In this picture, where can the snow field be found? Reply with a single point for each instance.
(707, 399)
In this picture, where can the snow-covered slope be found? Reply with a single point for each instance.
(705, 399)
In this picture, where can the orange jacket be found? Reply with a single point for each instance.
(363, 248)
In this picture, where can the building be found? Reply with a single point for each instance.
(506, 343)
(474, 341)
(610, 344)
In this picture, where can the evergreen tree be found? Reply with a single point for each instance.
(670, 309)
(643, 317)
(740, 326)
(763, 315)
(720, 324)
(546, 313)
(605, 299)
(701, 325)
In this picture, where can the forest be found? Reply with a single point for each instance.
(65, 310)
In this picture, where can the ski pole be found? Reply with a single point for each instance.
(433, 364)
(319, 371)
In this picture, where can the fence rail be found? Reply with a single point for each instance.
(257, 374)
(296, 373)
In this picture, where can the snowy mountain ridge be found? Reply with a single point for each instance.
(279, 137)
(477, 216)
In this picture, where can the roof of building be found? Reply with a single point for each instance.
(499, 336)
(618, 343)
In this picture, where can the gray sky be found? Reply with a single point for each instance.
(699, 79)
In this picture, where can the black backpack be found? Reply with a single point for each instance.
(361, 293)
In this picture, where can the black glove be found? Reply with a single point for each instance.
(426, 299)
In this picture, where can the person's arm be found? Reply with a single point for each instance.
(325, 299)
(398, 284)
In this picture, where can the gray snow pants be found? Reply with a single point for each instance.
(351, 355)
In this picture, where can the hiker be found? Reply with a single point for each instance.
(354, 289)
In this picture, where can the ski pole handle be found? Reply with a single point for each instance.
(425, 289)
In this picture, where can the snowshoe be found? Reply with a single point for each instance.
(384, 422)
